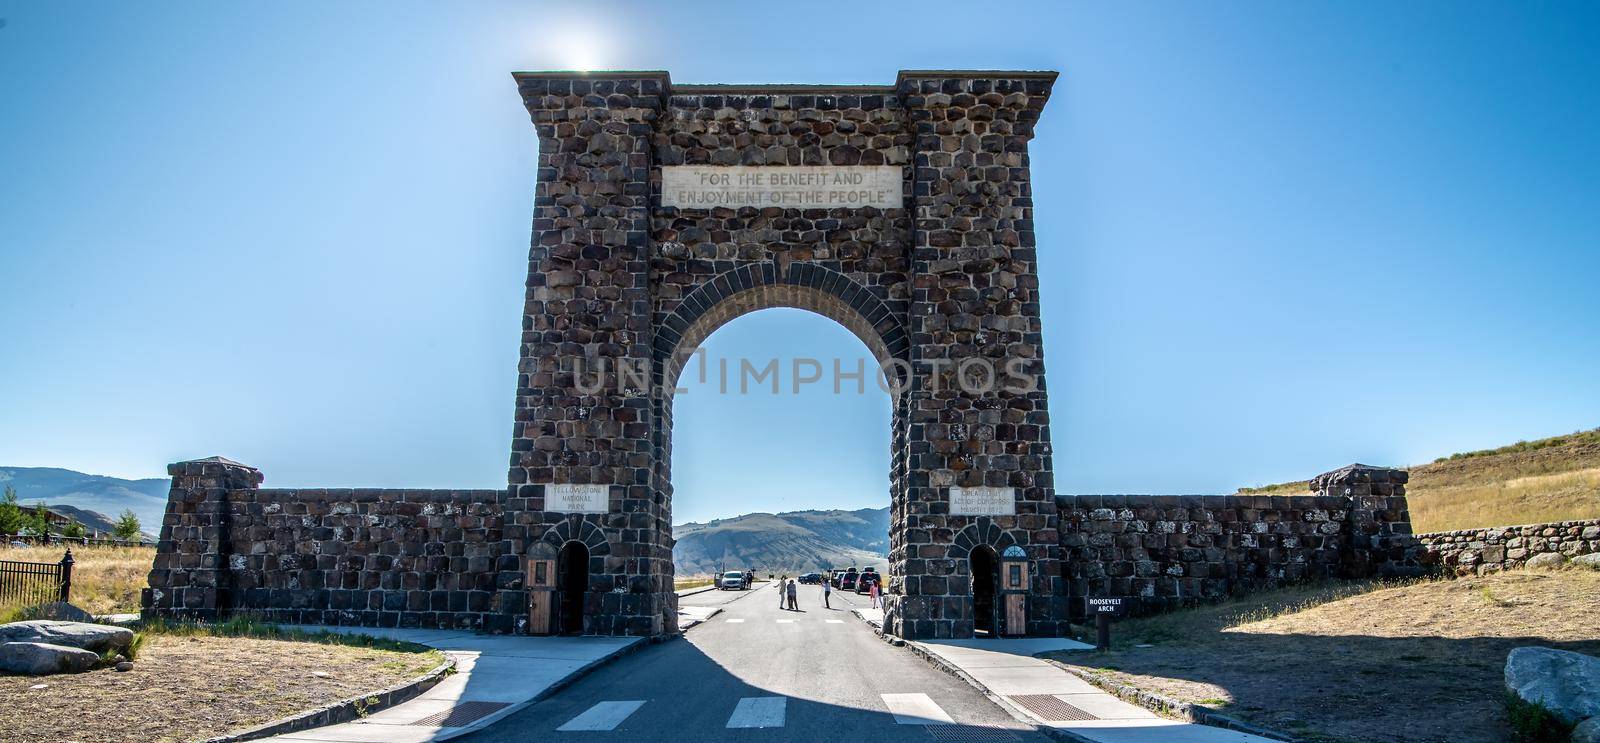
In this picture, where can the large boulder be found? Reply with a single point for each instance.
(59, 610)
(42, 658)
(99, 638)
(1591, 560)
(1564, 682)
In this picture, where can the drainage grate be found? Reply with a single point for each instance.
(461, 713)
(969, 734)
(1047, 707)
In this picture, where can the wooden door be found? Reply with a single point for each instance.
(1014, 583)
(541, 596)
(1016, 614)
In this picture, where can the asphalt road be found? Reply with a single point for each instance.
(758, 673)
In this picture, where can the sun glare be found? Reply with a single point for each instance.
(576, 48)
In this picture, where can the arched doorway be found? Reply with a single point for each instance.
(985, 570)
(572, 582)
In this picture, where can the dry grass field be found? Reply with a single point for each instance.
(190, 687)
(1366, 663)
(105, 580)
(1529, 482)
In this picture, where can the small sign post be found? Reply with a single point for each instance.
(1104, 610)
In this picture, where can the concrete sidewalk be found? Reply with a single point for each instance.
(496, 675)
(1035, 690)
(1038, 691)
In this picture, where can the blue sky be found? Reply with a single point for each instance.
(1275, 237)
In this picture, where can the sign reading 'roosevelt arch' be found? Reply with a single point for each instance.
(904, 212)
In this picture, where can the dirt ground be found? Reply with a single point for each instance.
(1417, 662)
(196, 687)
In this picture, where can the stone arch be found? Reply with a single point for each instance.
(750, 288)
(633, 261)
(573, 529)
(982, 531)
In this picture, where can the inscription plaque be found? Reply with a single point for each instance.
(788, 186)
(571, 498)
(983, 501)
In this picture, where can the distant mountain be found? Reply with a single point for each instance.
(106, 497)
(794, 542)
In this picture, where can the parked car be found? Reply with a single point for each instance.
(866, 580)
(810, 578)
(732, 580)
(847, 582)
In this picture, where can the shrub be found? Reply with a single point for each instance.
(1532, 723)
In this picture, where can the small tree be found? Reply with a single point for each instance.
(11, 517)
(74, 529)
(37, 523)
(127, 527)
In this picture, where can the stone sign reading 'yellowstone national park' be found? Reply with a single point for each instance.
(565, 498)
(790, 187)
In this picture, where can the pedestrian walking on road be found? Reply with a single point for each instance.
(827, 590)
(794, 596)
(783, 593)
(873, 592)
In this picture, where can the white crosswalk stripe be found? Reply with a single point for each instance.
(915, 709)
(759, 712)
(835, 621)
(785, 621)
(602, 716)
(734, 621)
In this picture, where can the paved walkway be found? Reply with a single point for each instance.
(1036, 690)
(495, 676)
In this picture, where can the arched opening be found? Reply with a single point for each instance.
(985, 571)
(787, 476)
(572, 582)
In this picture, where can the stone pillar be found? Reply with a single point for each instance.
(1378, 534)
(190, 576)
(588, 305)
(974, 299)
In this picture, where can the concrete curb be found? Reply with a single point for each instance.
(696, 623)
(345, 710)
(939, 664)
(549, 691)
(1169, 707)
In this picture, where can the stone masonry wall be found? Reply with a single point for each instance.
(1171, 551)
(1481, 551)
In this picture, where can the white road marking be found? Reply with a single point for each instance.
(733, 621)
(758, 712)
(835, 621)
(915, 709)
(602, 716)
(785, 621)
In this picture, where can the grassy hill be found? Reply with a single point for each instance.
(1529, 482)
(793, 542)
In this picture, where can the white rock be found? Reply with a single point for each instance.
(1547, 560)
(1564, 682)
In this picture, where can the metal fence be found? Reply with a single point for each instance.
(29, 583)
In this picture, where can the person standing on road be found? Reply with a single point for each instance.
(826, 591)
(783, 593)
(873, 592)
(794, 596)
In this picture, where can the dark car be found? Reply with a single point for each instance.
(847, 582)
(867, 579)
(810, 578)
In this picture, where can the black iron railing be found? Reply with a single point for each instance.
(29, 583)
